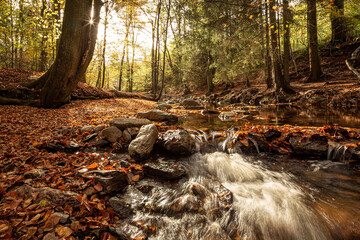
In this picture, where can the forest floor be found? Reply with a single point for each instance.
(27, 164)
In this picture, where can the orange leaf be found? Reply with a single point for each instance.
(98, 187)
(93, 166)
(135, 178)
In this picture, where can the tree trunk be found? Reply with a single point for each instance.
(104, 46)
(76, 48)
(286, 26)
(43, 53)
(164, 52)
(314, 59)
(269, 83)
(275, 52)
(338, 26)
(127, 26)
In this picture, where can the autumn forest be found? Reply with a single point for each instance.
(180, 119)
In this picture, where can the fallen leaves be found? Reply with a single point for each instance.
(51, 222)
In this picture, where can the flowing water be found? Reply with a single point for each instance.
(231, 196)
(274, 115)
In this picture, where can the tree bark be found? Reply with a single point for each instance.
(314, 59)
(338, 26)
(76, 48)
(269, 83)
(275, 51)
(286, 26)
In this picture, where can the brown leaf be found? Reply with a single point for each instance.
(50, 236)
(5, 230)
(51, 222)
(30, 232)
(63, 232)
(98, 187)
(34, 220)
(107, 236)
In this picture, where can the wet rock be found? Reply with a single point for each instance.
(158, 116)
(128, 231)
(110, 180)
(50, 195)
(210, 111)
(186, 203)
(164, 170)
(124, 123)
(191, 104)
(112, 134)
(89, 191)
(260, 142)
(64, 217)
(124, 164)
(143, 144)
(133, 131)
(55, 147)
(127, 136)
(86, 129)
(272, 134)
(90, 137)
(34, 173)
(179, 142)
(315, 145)
(99, 128)
(164, 106)
(121, 208)
(100, 143)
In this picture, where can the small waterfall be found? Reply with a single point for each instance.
(338, 151)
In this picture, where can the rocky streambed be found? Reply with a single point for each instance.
(159, 181)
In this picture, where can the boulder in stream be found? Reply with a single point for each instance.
(110, 180)
(124, 123)
(179, 142)
(315, 145)
(158, 116)
(143, 144)
(121, 208)
(191, 104)
(164, 170)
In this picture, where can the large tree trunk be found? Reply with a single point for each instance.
(338, 26)
(76, 48)
(314, 59)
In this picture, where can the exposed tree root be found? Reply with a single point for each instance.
(16, 101)
(351, 62)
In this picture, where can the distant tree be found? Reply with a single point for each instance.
(338, 25)
(314, 58)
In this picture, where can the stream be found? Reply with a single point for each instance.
(233, 196)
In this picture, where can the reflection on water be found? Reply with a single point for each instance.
(275, 115)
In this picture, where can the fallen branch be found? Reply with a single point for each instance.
(351, 61)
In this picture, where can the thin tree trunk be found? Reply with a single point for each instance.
(286, 26)
(127, 26)
(269, 83)
(275, 53)
(43, 53)
(104, 46)
(314, 59)
(164, 52)
(133, 46)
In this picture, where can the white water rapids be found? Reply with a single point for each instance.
(263, 204)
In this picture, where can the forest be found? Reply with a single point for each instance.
(180, 119)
